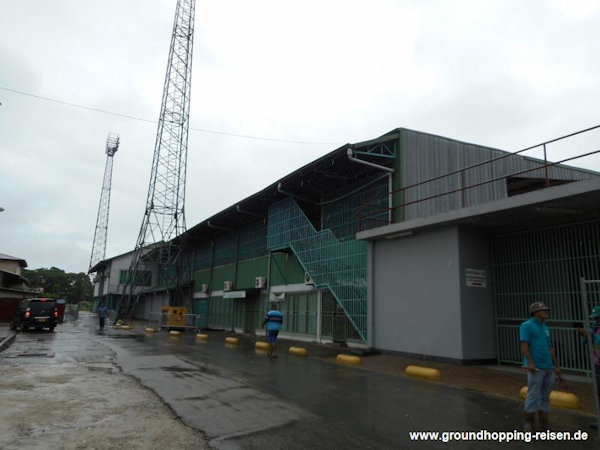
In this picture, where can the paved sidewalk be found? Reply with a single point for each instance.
(500, 381)
(496, 380)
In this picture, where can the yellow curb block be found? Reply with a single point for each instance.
(232, 340)
(119, 322)
(348, 359)
(149, 330)
(298, 351)
(125, 327)
(559, 399)
(202, 337)
(423, 372)
(262, 345)
(174, 333)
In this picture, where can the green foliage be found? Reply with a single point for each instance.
(87, 305)
(56, 283)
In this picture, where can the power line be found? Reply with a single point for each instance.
(141, 119)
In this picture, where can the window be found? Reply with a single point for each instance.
(142, 278)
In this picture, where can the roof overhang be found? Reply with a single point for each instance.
(567, 203)
(312, 184)
(14, 277)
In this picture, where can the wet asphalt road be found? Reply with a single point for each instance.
(241, 399)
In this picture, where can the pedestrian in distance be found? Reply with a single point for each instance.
(594, 333)
(541, 363)
(273, 320)
(102, 314)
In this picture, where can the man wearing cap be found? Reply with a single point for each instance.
(541, 363)
(595, 334)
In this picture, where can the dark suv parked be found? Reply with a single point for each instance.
(35, 313)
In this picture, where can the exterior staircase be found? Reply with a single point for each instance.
(338, 266)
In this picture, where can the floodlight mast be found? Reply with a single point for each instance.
(101, 232)
(164, 216)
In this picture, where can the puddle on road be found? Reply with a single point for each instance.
(29, 354)
(197, 369)
(124, 336)
(109, 370)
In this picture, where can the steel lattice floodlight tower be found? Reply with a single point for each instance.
(164, 217)
(99, 245)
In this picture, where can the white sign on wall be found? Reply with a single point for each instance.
(476, 278)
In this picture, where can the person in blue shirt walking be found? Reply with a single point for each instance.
(273, 320)
(541, 363)
(102, 314)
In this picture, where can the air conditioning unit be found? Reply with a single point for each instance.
(228, 285)
(308, 279)
(204, 288)
(260, 282)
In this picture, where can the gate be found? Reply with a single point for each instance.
(545, 265)
(590, 298)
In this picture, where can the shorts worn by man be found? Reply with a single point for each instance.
(540, 361)
(273, 319)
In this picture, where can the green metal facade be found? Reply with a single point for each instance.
(285, 249)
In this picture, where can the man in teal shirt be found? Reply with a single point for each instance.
(273, 319)
(540, 361)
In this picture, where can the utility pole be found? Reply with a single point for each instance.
(101, 233)
(164, 216)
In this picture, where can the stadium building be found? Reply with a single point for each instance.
(410, 243)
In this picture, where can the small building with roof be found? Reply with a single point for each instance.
(13, 286)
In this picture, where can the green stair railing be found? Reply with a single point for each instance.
(339, 266)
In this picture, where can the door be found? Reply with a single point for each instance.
(251, 313)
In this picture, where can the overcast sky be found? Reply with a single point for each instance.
(505, 74)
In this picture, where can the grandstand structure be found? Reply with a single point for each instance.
(376, 242)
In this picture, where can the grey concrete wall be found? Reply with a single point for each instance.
(416, 294)
(477, 303)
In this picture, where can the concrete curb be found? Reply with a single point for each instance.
(7, 341)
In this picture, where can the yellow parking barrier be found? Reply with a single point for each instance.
(559, 399)
(202, 337)
(232, 340)
(125, 327)
(349, 359)
(174, 333)
(262, 346)
(149, 330)
(298, 351)
(423, 372)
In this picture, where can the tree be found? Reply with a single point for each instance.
(56, 283)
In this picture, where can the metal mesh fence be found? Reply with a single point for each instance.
(545, 265)
(253, 241)
(225, 249)
(202, 256)
(367, 209)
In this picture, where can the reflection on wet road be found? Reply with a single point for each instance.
(242, 399)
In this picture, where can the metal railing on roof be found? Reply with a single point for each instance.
(537, 164)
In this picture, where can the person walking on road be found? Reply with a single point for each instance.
(102, 314)
(541, 363)
(594, 333)
(273, 320)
